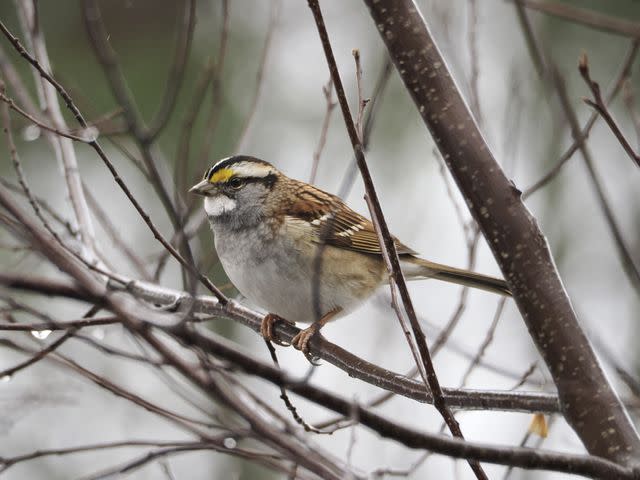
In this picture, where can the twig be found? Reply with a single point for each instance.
(629, 267)
(485, 343)
(40, 123)
(8, 372)
(43, 205)
(513, 235)
(65, 149)
(115, 235)
(65, 325)
(327, 91)
(525, 376)
(392, 260)
(241, 144)
(108, 60)
(629, 103)
(362, 102)
(184, 143)
(285, 398)
(617, 83)
(161, 453)
(96, 146)
(216, 92)
(370, 115)
(8, 462)
(472, 38)
(585, 16)
(176, 71)
(599, 105)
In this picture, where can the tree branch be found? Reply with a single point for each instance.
(588, 402)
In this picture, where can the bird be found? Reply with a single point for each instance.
(301, 253)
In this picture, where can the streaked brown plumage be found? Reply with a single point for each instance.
(270, 230)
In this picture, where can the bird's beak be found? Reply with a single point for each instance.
(203, 188)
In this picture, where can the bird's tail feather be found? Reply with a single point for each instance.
(415, 268)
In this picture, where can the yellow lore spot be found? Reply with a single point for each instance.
(221, 175)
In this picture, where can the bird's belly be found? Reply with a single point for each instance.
(284, 284)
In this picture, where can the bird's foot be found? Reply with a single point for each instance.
(266, 328)
(301, 340)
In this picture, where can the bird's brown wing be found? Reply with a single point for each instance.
(336, 224)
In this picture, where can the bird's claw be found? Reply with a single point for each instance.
(266, 328)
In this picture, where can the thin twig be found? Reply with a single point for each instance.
(362, 102)
(472, 38)
(514, 237)
(96, 146)
(393, 262)
(176, 71)
(485, 343)
(631, 270)
(63, 148)
(330, 105)
(41, 123)
(115, 235)
(8, 372)
(216, 92)
(241, 144)
(181, 168)
(600, 106)
(285, 398)
(585, 16)
(525, 376)
(629, 103)
(65, 325)
(623, 73)
(43, 205)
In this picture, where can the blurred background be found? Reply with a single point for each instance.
(522, 120)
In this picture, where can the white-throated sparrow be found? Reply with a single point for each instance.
(300, 252)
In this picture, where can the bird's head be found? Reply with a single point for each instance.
(235, 189)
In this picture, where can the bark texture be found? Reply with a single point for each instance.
(588, 402)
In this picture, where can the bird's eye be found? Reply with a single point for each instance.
(235, 183)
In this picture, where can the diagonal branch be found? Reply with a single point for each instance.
(600, 106)
(63, 147)
(390, 254)
(588, 402)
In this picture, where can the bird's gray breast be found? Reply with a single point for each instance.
(276, 272)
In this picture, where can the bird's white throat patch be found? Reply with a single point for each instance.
(216, 206)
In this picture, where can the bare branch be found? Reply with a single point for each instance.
(390, 254)
(64, 148)
(617, 83)
(600, 106)
(327, 91)
(585, 16)
(512, 234)
(351, 364)
(176, 71)
(241, 144)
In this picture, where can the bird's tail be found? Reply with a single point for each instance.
(415, 268)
